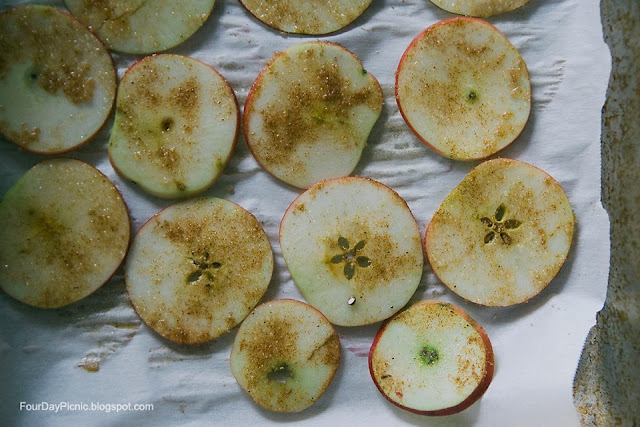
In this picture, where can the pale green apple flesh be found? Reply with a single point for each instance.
(197, 268)
(502, 234)
(309, 113)
(479, 8)
(432, 359)
(140, 26)
(306, 16)
(285, 355)
(65, 230)
(57, 80)
(353, 249)
(176, 125)
(464, 89)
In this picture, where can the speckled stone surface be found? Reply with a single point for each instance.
(607, 386)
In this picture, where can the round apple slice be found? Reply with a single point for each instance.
(176, 125)
(353, 249)
(502, 234)
(306, 16)
(197, 268)
(309, 113)
(57, 80)
(463, 89)
(65, 230)
(285, 355)
(140, 26)
(432, 359)
(479, 8)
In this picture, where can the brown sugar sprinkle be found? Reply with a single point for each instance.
(308, 110)
(55, 52)
(303, 18)
(25, 137)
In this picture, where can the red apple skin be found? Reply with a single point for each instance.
(115, 82)
(248, 105)
(339, 347)
(172, 340)
(402, 59)
(235, 137)
(473, 397)
(426, 248)
(119, 194)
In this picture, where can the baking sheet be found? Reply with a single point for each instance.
(50, 356)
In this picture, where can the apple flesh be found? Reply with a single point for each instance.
(309, 113)
(432, 359)
(197, 268)
(176, 125)
(502, 234)
(463, 89)
(65, 230)
(57, 80)
(306, 16)
(140, 26)
(285, 355)
(353, 249)
(479, 8)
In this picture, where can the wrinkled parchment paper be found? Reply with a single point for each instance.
(51, 356)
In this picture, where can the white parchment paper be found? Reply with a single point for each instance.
(537, 345)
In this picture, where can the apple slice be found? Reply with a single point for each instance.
(309, 113)
(176, 125)
(432, 359)
(353, 249)
(57, 80)
(463, 89)
(140, 26)
(479, 8)
(65, 230)
(306, 16)
(197, 268)
(285, 355)
(502, 234)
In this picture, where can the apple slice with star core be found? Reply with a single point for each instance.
(140, 26)
(309, 113)
(285, 355)
(353, 250)
(502, 234)
(176, 125)
(306, 16)
(57, 80)
(65, 230)
(463, 89)
(432, 359)
(197, 268)
(479, 8)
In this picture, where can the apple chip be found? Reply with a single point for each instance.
(65, 230)
(176, 125)
(57, 80)
(463, 89)
(140, 26)
(353, 249)
(309, 113)
(285, 355)
(479, 8)
(306, 16)
(197, 268)
(502, 234)
(432, 359)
